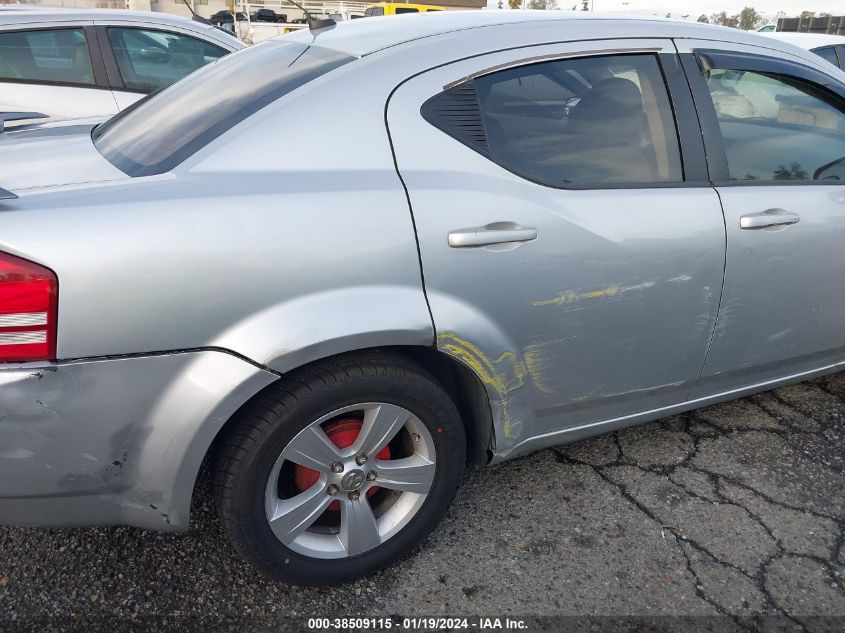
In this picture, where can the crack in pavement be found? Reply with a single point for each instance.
(698, 430)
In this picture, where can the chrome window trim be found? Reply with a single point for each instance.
(551, 57)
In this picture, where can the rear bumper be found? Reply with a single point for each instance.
(114, 441)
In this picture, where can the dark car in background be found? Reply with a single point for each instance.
(268, 15)
(225, 16)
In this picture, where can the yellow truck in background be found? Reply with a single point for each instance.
(397, 8)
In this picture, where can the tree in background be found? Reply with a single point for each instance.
(703, 19)
(515, 4)
(723, 19)
(749, 19)
(807, 14)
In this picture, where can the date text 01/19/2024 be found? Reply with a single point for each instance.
(417, 624)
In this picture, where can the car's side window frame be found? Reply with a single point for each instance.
(98, 68)
(112, 70)
(696, 63)
(684, 119)
(837, 61)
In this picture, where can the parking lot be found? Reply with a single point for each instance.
(735, 509)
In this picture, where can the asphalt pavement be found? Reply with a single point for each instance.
(735, 510)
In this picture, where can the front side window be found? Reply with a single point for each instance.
(776, 127)
(373, 11)
(180, 120)
(54, 55)
(149, 60)
(603, 120)
(406, 10)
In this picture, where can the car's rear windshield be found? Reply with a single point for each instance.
(166, 128)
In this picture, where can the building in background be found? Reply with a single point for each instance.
(207, 8)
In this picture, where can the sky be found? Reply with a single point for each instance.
(695, 8)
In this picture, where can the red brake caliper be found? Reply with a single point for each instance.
(343, 434)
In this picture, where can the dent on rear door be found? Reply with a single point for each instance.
(608, 313)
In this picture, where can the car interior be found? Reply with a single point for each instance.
(581, 121)
(55, 55)
(776, 129)
(149, 60)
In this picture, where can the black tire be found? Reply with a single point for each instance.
(260, 432)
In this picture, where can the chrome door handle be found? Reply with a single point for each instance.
(495, 233)
(767, 218)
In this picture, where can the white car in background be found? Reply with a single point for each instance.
(830, 47)
(68, 63)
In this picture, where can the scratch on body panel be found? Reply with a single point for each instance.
(611, 291)
(505, 374)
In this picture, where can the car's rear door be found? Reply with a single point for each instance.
(55, 70)
(775, 129)
(570, 257)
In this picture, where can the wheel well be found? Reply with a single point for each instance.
(467, 392)
(463, 386)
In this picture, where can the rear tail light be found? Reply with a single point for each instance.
(28, 306)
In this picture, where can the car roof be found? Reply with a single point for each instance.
(25, 14)
(369, 35)
(808, 40)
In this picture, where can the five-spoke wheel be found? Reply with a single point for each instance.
(340, 469)
(350, 480)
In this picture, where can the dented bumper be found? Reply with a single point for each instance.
(114, 441)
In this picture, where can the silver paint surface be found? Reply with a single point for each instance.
(114, 441)
(285, 242)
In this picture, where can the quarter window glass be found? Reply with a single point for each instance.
(150, 60)
(596, 120)
(777, 128)
(56, 55)
(828, 53)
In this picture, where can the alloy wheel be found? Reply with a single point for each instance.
(350, 480)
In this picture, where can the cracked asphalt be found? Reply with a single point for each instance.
(735, 510)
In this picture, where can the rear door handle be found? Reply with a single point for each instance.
(767, 218)
(495, 233)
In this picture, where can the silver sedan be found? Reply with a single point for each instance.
(529, 229)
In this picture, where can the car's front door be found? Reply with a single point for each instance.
(57, 71)
(143, 60)
(570, 257)
(775, 127)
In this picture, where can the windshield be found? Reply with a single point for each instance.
(170, 126)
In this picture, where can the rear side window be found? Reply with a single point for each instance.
(150, 60)
(776, 127)
(587, 122)
(54, 55)
(170, 126)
